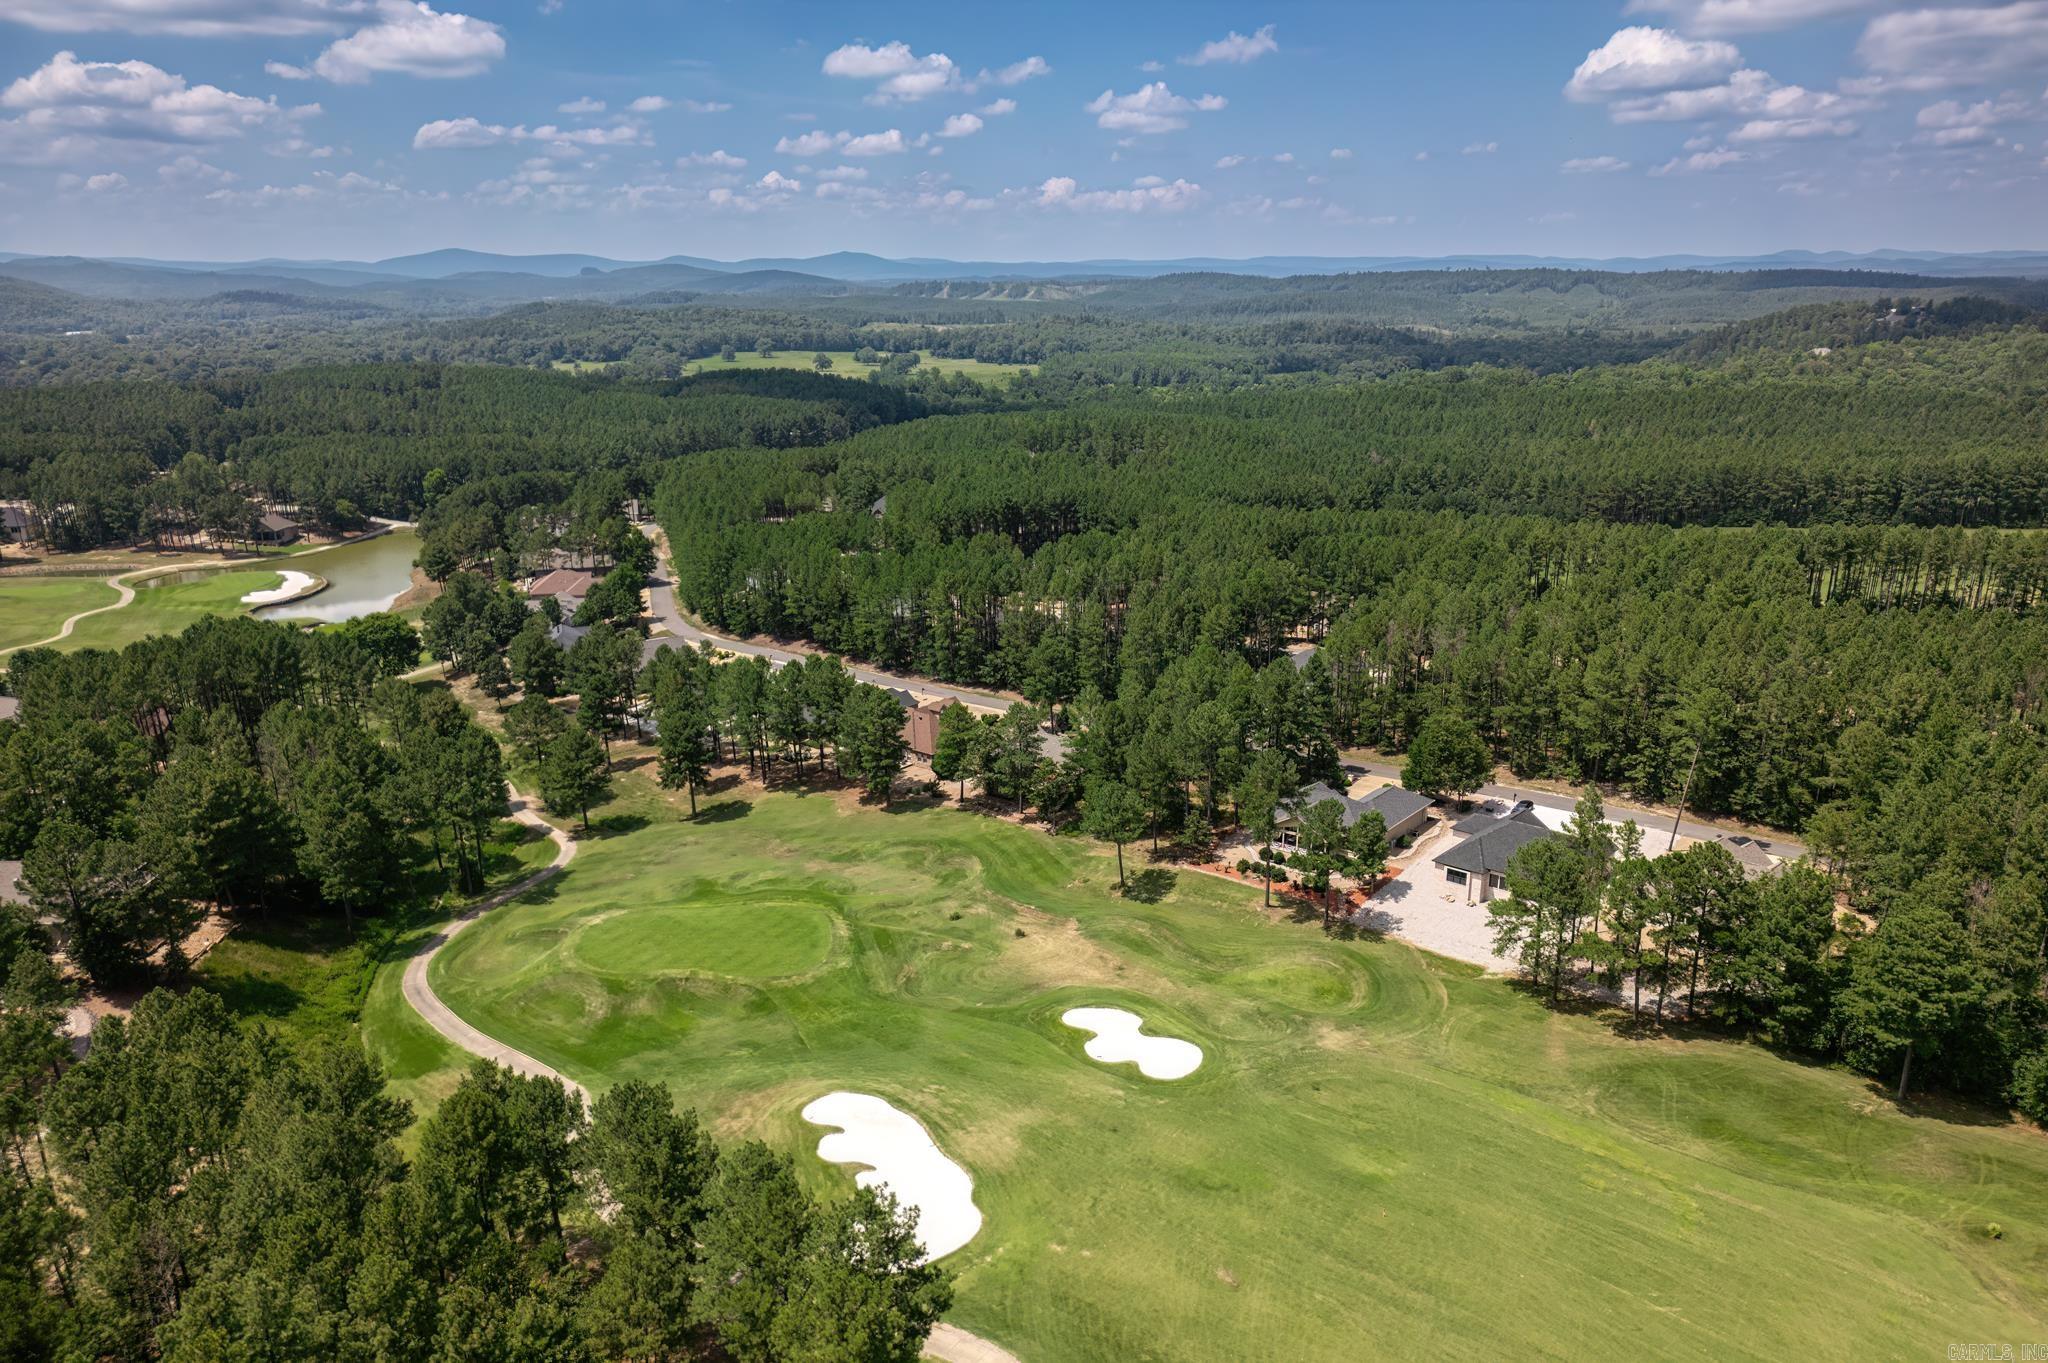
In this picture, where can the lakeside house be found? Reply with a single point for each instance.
(272, 528)
(567, 585)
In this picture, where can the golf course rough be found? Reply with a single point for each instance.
(1119, 1039)
(1381, 1147)
(903, 1158)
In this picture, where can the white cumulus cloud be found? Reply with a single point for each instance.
(961, 125)
(1751, 16)
(721, 158)
(69, 108)
(1640, 59)
(585, 105)
(1063, 191)
(183, 18)
(817, 142)
(1719, 158)
(1150, 108)
(412, 39)
(1925, 49)
(1594, 165)
(1234, 47)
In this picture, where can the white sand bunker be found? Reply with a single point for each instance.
(1117, 1040)
(902, 1157)
(293, 584)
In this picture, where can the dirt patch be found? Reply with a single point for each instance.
(1329, 1036)
(1054, 952)
(1226, 1277)
(422, 590)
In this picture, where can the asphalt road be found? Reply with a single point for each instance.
(1656, 827)
(661, 596)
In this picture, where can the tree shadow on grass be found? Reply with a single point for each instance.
(612, 826)
(1150, 885)
(725, 811)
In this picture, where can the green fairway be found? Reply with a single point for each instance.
(716, 933)
(33, 608)
(844, 364)
(1383, 1154)
(171, 606)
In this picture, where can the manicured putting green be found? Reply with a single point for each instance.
(745, 939)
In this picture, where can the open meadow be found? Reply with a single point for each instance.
(1382, 1151)
(846, 366)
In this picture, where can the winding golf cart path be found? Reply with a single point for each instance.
(439, 1015)
(948, 1343)
(119, 582)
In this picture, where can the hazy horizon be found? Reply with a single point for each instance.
(310, 129)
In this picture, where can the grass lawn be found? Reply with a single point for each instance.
(169, 608)
(1384, 1154)
(846, 366)
(33, 608)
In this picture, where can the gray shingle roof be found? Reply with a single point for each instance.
(1395, 804)
(1391, 803)
(1490, 849)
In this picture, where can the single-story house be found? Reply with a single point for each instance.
(17, 524)
(1477, 865)
(271, 528)
(564, 584)
(1403, 811)
(1750, 855)
(921, 728)
(565, 634)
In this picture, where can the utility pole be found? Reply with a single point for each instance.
(1684, 793)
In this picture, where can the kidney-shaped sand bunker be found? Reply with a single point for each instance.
(1117, 1039)
(902, 1157)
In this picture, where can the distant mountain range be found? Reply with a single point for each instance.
(480, 275)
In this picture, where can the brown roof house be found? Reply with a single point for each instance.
(921, 728)
(567, 585)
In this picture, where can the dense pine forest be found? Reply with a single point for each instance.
(1772, 544)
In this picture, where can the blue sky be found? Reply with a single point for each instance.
(216, 129)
